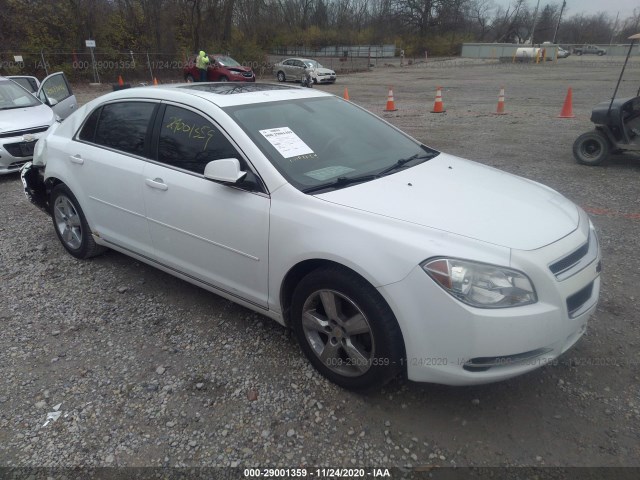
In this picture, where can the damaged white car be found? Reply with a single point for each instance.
(383, 255)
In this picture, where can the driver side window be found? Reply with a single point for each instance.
(189, 141)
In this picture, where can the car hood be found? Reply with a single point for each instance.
(238, 69)
(469, 199)
(25, 118)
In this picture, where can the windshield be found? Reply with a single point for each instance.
(227, 61)
(14, 96)
(312, 64)
(327, 142)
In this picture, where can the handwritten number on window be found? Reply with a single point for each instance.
(203, 132)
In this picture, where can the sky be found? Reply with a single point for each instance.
(588, 7)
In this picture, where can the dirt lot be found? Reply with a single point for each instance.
(152, 371)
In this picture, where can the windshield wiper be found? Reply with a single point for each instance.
(403, 161)
(340, 182)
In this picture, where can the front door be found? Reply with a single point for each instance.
(56, 92)
(215, 233)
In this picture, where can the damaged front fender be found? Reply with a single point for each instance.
(35, 187)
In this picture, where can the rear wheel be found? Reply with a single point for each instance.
(346, 329)
(591, 148)
(281, 77)
(71, 225)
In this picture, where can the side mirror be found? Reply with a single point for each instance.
(224, 170)
(52, 102)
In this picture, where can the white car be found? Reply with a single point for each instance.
(383, 255)
(27, 109)
(293, 69)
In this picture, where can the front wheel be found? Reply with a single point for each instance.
(591, 148)
(189, 78)
(346, 329)
(223, 78)
(71, 225)
(281, 77)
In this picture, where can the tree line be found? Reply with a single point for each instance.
(250, 28)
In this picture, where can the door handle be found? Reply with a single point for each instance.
(76, 159)
(156, 183)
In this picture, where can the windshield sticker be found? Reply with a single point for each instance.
(329, 172)
(286, 142)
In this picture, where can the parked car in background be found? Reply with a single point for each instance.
(292, 70)
(562, 53)
(589, 50)
(222, 68)
(383, 255)
(25, 115)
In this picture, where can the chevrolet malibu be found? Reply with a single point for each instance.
(383, 255)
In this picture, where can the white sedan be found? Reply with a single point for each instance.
(383, 255)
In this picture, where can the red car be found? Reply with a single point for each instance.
(222, 68)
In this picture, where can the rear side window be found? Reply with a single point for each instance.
(124, 126)
(190, 141)
(88, 131)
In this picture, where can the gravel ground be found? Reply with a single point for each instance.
(147, 370)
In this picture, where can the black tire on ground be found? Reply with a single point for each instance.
(223, 78)
(71, 225)
(189, 78)
(281, 77)
(600, 54)
(346, 329)
(578, 53)
(591, 148)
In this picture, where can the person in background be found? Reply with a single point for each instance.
(202, 62)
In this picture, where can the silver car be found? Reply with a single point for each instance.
(26, 114)
(292, 70)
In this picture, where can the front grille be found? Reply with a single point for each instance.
(20, 149)
(19, 133)
(576, 301)
(577, 260)
(247, 74)
(570, 260)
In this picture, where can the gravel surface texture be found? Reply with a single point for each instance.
(147, 370)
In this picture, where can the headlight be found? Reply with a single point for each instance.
(480, 284)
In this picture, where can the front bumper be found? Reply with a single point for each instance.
(326, 79)
(451, 343)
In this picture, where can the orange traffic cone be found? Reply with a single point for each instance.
(155, 81)
(500, 109)
(120, 81)
(391, 104)
(438, 106)
(567, 108)
(346, 94)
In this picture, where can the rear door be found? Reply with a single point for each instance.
(108, 157)
(56, 92)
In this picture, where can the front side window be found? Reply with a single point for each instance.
(190, 141)
(124, 126)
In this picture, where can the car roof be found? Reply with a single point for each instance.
(222, 94)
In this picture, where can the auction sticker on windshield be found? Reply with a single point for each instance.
(286, 142)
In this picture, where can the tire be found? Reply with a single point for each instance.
(281, 77)
(346, 329)
(223, 78)
(600, 54)
(71, 225)
(591, 148)
(578, 53)
(189, 78)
